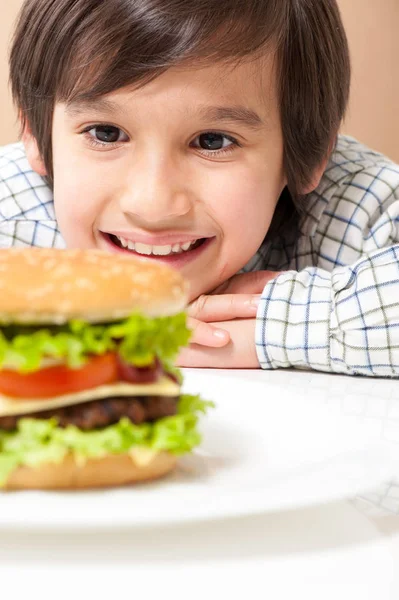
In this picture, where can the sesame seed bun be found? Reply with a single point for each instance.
(111, 470)
(49, 286)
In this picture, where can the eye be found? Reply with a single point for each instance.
(213, 141)
(106, 134)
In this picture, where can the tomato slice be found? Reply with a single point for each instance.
(133, 374)
(60, 380)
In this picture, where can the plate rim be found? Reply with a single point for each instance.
(380, 449)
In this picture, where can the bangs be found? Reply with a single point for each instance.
(122, 43)
(79, 50)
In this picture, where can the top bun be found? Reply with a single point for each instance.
(49, 286)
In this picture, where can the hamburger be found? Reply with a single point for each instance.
(89, 396)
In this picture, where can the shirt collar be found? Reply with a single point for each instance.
(340, 169)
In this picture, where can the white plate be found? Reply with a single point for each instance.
(274, 442)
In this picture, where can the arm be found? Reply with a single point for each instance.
(344, 321)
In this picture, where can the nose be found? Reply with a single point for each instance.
(157, 192)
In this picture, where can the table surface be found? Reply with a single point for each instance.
(346, 550)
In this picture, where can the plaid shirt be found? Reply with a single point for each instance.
(335, 307)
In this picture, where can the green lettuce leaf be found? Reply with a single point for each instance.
(138, 339)
(38, 441)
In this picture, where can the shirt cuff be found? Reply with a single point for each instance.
(293, 321)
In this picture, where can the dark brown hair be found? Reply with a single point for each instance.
(65, 50)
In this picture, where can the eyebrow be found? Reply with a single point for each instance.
(225, 114)
(232, 114)
(100, 105)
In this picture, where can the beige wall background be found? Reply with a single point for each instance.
(372, 27)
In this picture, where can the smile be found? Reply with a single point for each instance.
(177, 254)
(152, 250)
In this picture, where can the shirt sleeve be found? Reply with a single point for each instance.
(343, 321)
(28, 232)
(27, 215)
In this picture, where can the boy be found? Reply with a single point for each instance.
(204, 134)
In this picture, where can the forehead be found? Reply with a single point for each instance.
(249, 86)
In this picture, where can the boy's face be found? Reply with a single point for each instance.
(196, 156)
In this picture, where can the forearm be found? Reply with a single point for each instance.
(346, 321)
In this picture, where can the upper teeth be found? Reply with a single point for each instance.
(147, 250)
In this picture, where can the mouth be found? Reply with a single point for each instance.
(176, 252)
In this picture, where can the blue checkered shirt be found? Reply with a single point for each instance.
(334, 308)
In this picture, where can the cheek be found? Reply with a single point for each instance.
(79, 195)
(244, 204)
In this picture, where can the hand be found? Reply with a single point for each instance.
(238, 353)
(246, 283)
(223, 324)
(237, 298)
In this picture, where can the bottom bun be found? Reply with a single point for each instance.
(111, 470)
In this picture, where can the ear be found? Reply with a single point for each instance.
(32, 152)
(320, 170)
(316, 178)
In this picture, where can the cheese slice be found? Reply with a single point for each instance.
(20, 406)
(142, 456)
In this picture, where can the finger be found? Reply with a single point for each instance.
(197, 356)
(205, 334)
(248, 283)
(224, 307)
(239, 353)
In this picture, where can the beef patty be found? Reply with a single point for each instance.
(100, 413)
